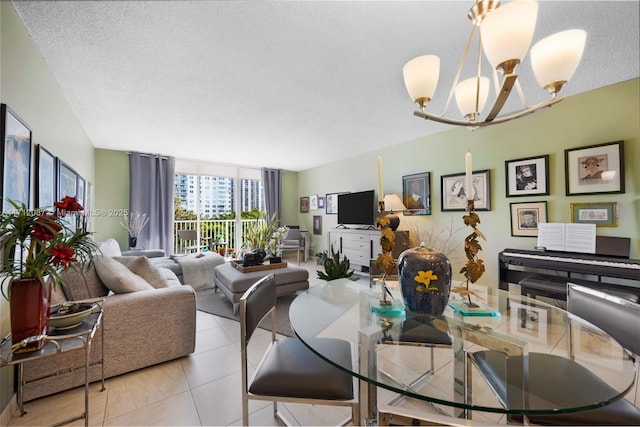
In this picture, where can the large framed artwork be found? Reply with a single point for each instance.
(16, 159)
(46, 179)
(67, 180)
(416, 193)
(454, 195)
(526, 177)
(595, 169)
(525, 218)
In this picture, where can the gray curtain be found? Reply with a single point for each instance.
(271, 184)
(151, 192)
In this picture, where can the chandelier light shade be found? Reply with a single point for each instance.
(471, 96)
(505, 35)
(421, 76)
(554, 59)
(507, 32)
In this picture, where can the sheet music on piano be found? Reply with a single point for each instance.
(556, 236)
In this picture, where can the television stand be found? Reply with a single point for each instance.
(362, 245)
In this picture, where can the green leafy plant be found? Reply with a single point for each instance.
(334, 267)
(37, 243)
(258, 233)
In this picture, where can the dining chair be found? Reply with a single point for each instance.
(562, 380)
(289, 371)
(189, 240)
(293, 242)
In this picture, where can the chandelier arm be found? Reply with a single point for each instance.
(477, 124)
(459, 71)
(523, 99)
(505, 90)
(479, 74)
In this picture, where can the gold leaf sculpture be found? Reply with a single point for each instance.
(474, 268)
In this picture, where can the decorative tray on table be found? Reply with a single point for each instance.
(69, 314)
(238, 265)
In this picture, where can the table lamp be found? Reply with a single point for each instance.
(393, 203)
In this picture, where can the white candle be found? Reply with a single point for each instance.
(380, 193)
(468, 186)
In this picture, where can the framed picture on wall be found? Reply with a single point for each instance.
(416, 193)
(602, 214)
(320, 202)
(454, 195)
(525, 218)
(67, 180)
(317, 224)
(527, 176)
(313, 202)
(304, 204)
(16, 159)
(80, 190)
(595, 169)
(46, 178)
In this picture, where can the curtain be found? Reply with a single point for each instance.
(151, 192)
(271, 185)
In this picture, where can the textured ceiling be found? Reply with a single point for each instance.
(288, 85)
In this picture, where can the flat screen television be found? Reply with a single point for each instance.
(357, 209)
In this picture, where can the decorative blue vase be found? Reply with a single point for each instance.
(425, 280)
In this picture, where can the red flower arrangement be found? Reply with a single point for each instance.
(37, 244)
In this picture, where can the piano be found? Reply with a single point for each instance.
(516, 266)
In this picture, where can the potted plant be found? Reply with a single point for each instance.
(334, 267)
(258, 233)
(37, 246)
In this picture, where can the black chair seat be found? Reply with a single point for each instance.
(554, 381)
(291, 369)
(422, 330)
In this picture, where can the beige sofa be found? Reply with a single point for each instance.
(141, 328)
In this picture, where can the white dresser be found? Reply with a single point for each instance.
(360, 246)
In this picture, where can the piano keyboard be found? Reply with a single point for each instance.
(615, 264)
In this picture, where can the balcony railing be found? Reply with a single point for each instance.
(212, 231)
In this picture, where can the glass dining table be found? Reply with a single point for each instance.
(427, 358)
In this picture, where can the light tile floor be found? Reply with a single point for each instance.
(204, 389)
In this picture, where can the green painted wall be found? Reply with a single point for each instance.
(289, 192)
(111, 195)
(604, 115)
(31, 91)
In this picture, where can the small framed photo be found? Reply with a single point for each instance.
(595, 169)
(454, 195)
(602, 214)
(526, 177)
(313, 202)
(15, 164)
(331, 203)
(416, 193)
(525, 218)
(317, 224)
(80, 190)
(320, 202)
(46, 179)
(304, 204)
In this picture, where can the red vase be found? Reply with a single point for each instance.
(29, 304)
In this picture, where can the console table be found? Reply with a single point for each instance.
(58, 341)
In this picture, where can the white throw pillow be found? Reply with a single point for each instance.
(141, 266)
(109, 247)
(117, 277)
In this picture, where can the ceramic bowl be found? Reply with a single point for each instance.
(69, 315)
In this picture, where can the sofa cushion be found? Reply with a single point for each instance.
(117, 277)
(109, 247)
(79, 284)
(142, 267)
(170, 276)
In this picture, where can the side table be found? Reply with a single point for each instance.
(58, 341)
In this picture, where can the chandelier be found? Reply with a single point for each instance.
(505, 33)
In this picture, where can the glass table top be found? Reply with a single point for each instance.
(391, 349)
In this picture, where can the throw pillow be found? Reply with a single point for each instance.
(80, 284)
(141, 266)
(117, 277)
(109, 247)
